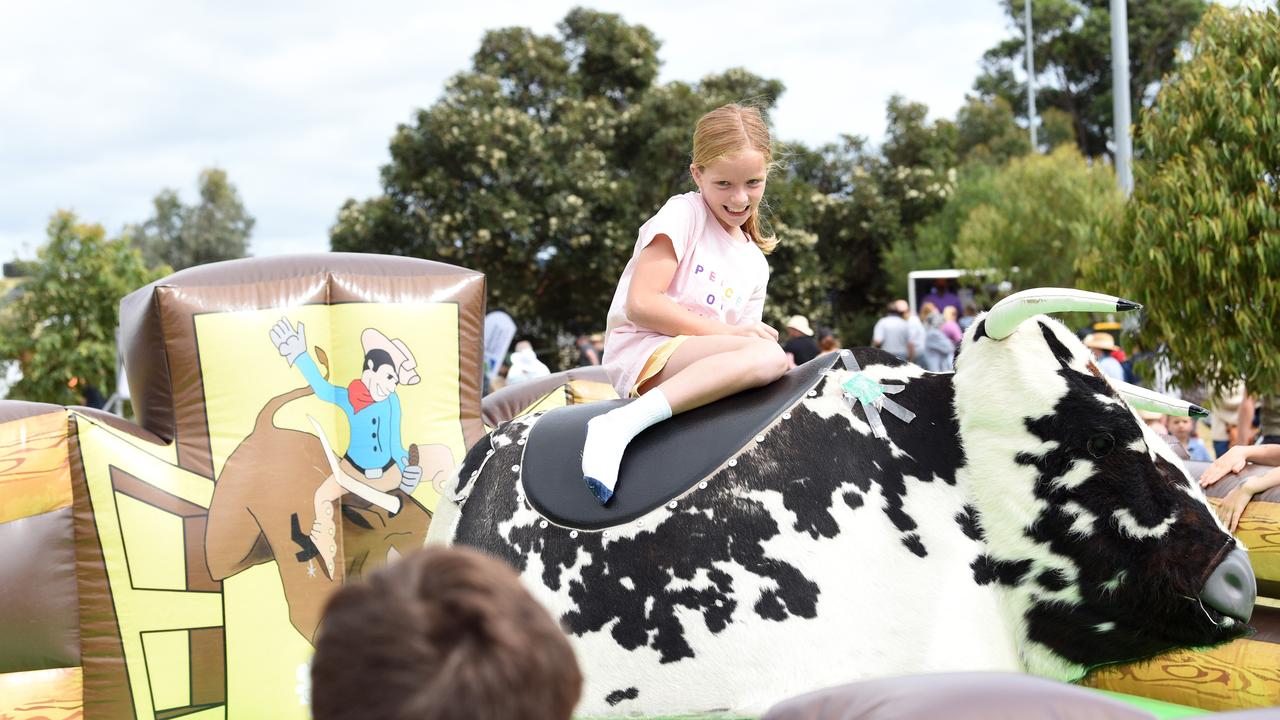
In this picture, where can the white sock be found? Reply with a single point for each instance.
(608, 436)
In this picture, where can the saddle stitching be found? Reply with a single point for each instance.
(461, 498)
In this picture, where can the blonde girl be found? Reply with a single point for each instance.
(684, 327)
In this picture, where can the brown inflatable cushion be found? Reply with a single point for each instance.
(511, 401)
(955, 696)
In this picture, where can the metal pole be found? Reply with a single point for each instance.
(1120, 95)
(1031, 82)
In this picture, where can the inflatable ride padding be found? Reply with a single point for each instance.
(178, 568)
(575, 386)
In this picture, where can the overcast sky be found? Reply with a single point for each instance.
(102, 104)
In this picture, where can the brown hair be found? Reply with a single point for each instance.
(725, 132)
(443, 634)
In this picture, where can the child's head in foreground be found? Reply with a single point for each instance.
(443, 633)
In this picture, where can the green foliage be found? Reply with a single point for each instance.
(540, 163)
(542, 159)
(1056, 128)
(1072, 50)
(986, 136)
(908, 185)
(1039, 213)
(836, 193)
(988, 133)
(62, 326)
(797, 284)
(180, 236)
(910, 141)
(1204, 221)
(934, 244)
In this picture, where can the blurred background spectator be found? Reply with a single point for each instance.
(1102, 344)
(525, 364)
(891, 333)
(939, 349)
(1224, 411)
(1183, 429)
(801, 348)
(827, 341)
(587, 354)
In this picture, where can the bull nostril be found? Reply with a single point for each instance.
(1231, 589)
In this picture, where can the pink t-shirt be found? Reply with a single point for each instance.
(717, 276)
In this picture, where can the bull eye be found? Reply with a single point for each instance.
(1100, 445)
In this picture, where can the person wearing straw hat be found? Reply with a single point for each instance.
(801, 348)
(1102, 344)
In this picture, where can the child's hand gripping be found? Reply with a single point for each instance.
(758, 330)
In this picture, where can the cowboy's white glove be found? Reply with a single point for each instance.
(291, 343)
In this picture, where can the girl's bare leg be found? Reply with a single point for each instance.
(703, 369)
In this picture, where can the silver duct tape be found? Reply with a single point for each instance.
(872, 395)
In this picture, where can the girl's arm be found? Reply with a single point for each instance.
(1234, 460)
(649, 306)
(1233, 505)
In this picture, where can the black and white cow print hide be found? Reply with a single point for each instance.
(1025, 520)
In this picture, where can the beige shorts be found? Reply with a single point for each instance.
(657, 360)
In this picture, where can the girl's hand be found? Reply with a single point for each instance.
(1231, 461)
(758, 330)
(1233, 505)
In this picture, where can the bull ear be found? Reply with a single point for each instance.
(1001, 321)
(1151, 401)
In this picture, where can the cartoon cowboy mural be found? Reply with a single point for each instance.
(375, 462)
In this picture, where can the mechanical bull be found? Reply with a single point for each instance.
(779, 541)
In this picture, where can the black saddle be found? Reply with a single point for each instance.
(662, 462)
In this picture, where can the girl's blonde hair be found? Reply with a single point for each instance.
(725, 132)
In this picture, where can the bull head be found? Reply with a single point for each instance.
(1104, 548)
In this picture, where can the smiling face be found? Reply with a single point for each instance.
(381, 381)
(732, 187)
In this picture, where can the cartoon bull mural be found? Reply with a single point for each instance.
(808, 534)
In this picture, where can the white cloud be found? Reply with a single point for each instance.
(104, 104)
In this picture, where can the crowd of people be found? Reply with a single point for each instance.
(928, 338)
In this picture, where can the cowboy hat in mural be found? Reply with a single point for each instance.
(402, 361)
